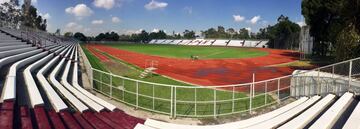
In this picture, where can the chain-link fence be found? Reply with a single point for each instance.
(214, 101)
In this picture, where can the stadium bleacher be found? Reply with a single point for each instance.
(315, 113)
(54, 98)
(214, 42)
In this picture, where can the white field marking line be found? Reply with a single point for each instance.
(215, 53)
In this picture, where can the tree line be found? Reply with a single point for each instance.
(283, 35)
(13, 14)
(335, 26)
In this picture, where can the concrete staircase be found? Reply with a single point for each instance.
(147, 72)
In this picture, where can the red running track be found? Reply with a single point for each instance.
(99, 55)
(212, 71)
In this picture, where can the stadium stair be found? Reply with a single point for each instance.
(39, 88)
(147, 72)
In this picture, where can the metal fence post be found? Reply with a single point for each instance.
(318, 83)
(233, 99)
(250, 97)
(175, 102)
(350, 72)
(278, 89)
(171, 102)
(215, 103)
(266, 84)
(123, 90)
(137, 94)
(153, 98)
(195, 101)
(111, 86)
(253, 81)
(101, 80)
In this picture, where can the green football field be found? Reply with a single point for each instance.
(203, 52)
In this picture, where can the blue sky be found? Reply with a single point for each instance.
(130, 16)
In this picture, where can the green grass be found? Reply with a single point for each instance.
(180, 51)
(163, 92)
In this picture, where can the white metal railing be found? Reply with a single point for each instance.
(214, 101)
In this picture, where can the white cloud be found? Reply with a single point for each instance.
(301, 23)
(33, 1)
(238, 18)
(73, 27)
(45, 16)
(115, 20)
(107, 4)
(248, 28)
(188, 10)
(80, 10)
(129, 32)
(155, 5)
(155, 30)
(97, 22)
(255, 19)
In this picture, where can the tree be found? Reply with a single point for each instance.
(32, 19)
(68, 34)
(189, 34)
(243, 34)
(283, 35)
(329, 20)
(10, 13)
(80, 36)
(58, 32)
(158, 35)
(143, 37)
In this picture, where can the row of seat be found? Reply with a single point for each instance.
(213, 42)
(315, 112)
(41, 88)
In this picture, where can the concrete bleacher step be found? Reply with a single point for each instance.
(283, 118)
(310, 114)
(354, 119)
(330, 117)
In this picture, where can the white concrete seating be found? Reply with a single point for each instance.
(7, 48)
(262, 44)
(152, 41)
(9, 91)
(306, 117)
(354, 119)
(284, 117)
(159, 41)
(193, 43)
(329, 118)
(250, 43)
(12, 43)
(141, 126)
(65, 93)
(184, 42)
(236, 43)
(90, 103)
(220, 42)
(31, 86)
(75, 83)
(57, 103)
(176, 42)
(233, 125)
(16, 51)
